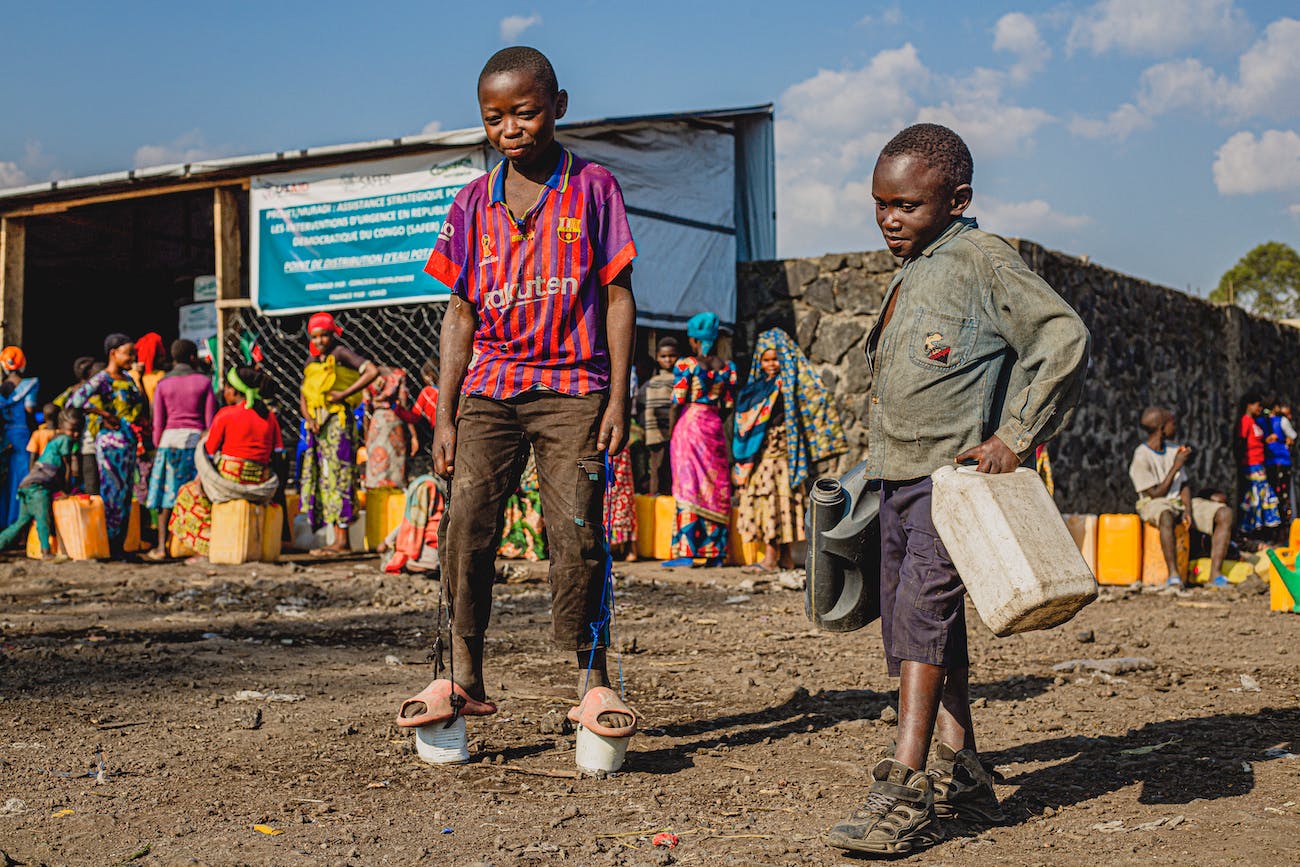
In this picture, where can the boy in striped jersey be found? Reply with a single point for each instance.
(536, 347)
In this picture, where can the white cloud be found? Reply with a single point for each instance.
(513, 26)
(432, 127)
(1157, 26)
(1267, 85)
(191, 147)
(1246, 164)
(1017, 34)
(12, 175)
(1119, 125)
(1030, 219)
(831, 126)
(975, 106)
(1293, 210)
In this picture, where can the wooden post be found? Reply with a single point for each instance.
(13, 248)
(225, 231)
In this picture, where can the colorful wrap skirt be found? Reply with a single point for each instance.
(620, 503)
(191, 522)
(1258, 502)
(770, 511)
(701, 483)
(329, 471)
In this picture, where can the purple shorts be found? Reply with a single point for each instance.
(922, 599)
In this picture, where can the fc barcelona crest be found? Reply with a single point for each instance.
(569, 229)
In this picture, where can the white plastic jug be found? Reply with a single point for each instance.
(1014, 554)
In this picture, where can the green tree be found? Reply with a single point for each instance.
(1266, 281)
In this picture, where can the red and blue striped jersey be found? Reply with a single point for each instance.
(536, 282)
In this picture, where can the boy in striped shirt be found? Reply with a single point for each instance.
(536, 348)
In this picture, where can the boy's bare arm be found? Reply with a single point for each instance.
(458, 326)
(620, 334)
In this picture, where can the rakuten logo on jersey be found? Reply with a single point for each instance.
(529, 292)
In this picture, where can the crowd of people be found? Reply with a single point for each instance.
(156, 435)
(143, 416)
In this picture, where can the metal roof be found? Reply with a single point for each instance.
(234, 168)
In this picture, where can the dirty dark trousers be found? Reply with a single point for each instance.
(492, 437)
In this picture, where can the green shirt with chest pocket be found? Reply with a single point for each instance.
(978, 345)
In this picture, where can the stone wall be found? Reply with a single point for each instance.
(1151, 344)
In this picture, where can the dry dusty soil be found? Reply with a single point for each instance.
(122, 740)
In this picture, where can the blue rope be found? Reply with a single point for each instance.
(605, 624)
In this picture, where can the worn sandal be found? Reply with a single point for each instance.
(436, 699)
(601, 701)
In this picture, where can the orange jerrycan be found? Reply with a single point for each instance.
(34, 543)
(236, 533)
(1154, 568)
(132, 542)
(1119, 549)
(1083, 529)
(272, 531)
(82, 529)
(739, 551)
(645, 526)
(384, 510)
(665, 521)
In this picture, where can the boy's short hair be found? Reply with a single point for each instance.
(521, 58)
(71, 415)
(50, 412)
(938, 146)
(668, 342)
(1153, 418)
(81, 367)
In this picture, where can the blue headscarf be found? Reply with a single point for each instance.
(704, 328)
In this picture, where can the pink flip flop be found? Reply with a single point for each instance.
(436, 699)
(602, 700)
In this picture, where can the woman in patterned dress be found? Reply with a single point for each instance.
(702, 391)
(120, 413)
(785, 419)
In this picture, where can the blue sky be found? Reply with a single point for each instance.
(1159, 137)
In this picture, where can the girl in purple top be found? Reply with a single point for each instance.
(183, 407)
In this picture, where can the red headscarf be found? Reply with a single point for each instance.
(13, 360)
(321, 322)
(147, 349)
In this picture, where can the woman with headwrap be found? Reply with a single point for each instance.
(785, 420)
(120, 408)
(702, 390)
(183, 407)
(332, 386)
(17, 408)
(148, 368)
(241, 443)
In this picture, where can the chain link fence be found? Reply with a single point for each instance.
(404, 336)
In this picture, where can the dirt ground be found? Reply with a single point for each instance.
(122, 739)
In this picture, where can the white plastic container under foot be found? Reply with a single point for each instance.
(597, 753)
(1011, 548)
(440, 744)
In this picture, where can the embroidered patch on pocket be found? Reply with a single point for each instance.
(937, 348)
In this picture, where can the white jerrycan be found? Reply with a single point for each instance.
(1011, 548)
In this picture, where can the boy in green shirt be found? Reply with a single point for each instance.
(55, 470)
(975, 359)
